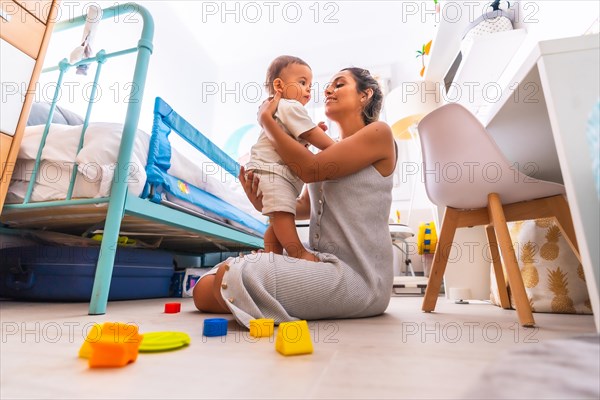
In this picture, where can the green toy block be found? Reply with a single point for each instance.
(293, 338)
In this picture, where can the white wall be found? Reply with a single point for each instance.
(220, 95)
(546, 20)
(179, 66)
(556, 19)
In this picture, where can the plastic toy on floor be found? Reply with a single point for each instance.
(153, 342)
(261, 327)
(172, 308)
(113, 344)
(293, 338)
(215, 327)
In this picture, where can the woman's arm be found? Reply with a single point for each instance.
(303, 205)
(370, 144)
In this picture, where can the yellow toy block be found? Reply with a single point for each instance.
(95, 333)
(262, 327)
(293, 338)
(113, 344)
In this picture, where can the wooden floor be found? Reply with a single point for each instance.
(402, 354)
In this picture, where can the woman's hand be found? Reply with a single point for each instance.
(268, 107)
(250, 185)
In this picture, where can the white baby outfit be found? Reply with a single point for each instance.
(279, 184)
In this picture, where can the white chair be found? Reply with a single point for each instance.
(466, 173)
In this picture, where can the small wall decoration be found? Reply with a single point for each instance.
(422, 53)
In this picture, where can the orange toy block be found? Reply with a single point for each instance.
(108, 353)
(113, 345)
(262, 327)
(293, 338)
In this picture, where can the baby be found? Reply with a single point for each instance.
(279, 184)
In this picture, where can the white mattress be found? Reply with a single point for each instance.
(97, 165)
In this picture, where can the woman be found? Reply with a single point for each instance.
(348, 202)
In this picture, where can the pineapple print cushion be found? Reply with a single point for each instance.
(553, 277)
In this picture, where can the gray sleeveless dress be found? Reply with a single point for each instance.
(349, 233)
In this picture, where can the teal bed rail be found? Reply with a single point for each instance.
(120, 203)
(118, 192)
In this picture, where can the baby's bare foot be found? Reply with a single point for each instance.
(309, 257)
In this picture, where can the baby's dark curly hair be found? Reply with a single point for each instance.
(277, 65)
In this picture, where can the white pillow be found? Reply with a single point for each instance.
(98, 157)
(61, 143)
(97, 160)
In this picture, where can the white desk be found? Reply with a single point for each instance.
(551, 96)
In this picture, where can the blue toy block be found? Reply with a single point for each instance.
(215, 327)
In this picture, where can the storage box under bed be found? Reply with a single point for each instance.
(66, 273)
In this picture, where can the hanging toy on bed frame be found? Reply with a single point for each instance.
(93, 17)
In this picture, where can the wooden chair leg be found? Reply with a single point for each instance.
(498, 272)
(510, 259)
(440, 258)
(562, 213)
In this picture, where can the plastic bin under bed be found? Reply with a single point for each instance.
(56, 273)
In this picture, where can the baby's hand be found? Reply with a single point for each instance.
(323, 126)
(268, 107)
